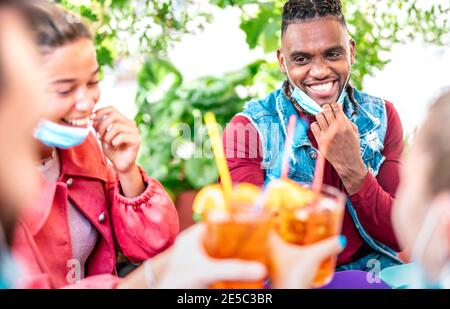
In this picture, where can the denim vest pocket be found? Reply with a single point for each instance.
(302, 168)
(372, 156)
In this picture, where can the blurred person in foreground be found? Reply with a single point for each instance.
(422, 214)
(95, 200)
(21, 107)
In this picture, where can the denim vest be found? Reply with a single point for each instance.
(271, 115)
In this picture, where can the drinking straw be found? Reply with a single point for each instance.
(285, 164)
(288, 146)
(318, 173)
(320, 163)
(214, 135)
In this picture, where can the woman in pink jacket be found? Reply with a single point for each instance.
(95, 200)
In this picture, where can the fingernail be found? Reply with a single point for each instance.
(342, 241)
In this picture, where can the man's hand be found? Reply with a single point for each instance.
(342, 148)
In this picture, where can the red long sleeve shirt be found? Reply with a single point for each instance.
(373, 201)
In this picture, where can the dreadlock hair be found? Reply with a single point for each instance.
(298, 11)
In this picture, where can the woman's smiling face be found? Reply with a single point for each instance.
(72, 74)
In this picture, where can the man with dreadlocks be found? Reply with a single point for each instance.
(363, 157)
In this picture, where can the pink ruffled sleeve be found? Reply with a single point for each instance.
(145, 225)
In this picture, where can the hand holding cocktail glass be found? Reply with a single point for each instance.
(241, 220)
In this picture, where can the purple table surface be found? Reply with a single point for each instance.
(354, 279)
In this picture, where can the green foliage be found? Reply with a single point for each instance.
(170, 116)
(377, 25)
(374, 25)
(263, 29)
(170, 109)
(137, 27)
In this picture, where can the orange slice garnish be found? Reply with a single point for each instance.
(285, 193)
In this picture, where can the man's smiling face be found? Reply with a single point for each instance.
(319, 54)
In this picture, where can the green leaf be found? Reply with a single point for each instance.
(104, 56)
(264, 29)
(88, 13)
(159, 73)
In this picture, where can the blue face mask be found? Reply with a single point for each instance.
(59, 136)
(9, 271)
(305, 101)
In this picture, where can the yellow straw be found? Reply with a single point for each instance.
(214, 135)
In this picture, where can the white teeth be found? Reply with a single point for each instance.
(322, 88)
(78, 122)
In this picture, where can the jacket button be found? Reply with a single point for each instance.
(313, 155)
(371, 170)
(101, 217)
(69, 182)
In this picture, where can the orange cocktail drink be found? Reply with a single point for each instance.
(239, 234)
(314, 217)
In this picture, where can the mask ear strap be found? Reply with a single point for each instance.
(287, 72)
(425, 233)
(344, 89)
(347, 82)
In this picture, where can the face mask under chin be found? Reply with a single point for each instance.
(60, 136)
(305, 101)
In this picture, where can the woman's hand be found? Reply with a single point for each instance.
(294, 267)
(190, 266)
(119, 136)
(187, 266)
(121, 141)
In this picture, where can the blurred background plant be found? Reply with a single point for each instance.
(166, 102)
